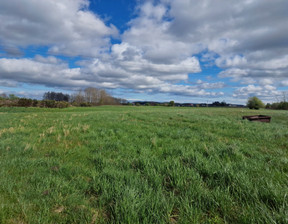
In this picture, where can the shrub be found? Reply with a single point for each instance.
(53, 104)
(48, 103)
(34, 103)
(8, 103)
(85, 104)
(24, 102)
(283, 105)
(171, 103)
(278, 106)
(62, 104)
(255, 103)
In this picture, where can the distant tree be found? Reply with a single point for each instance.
(104, 97)
(91, 96)
(34, 103)
(13, 97)
(56, 96)
(277, 106)
(255, 103)
(84, 104)
(48, 103)
(171, 103)
(62, 104)
(223, 104)
(122, 101)
(216, 104)
(77, 98)
(24, 102)
(283, 105)
(5, 101)
(3, 96)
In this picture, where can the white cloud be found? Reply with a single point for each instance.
(64, 25)
(8, 83)
(49, 59)
(150, 33)
(266, 92)
(247, 39)
(266, 81)
(194, 91)
(233, 73)
(284, 82)
(53, 73)
(35, 72)
(251, 45)
(232, 61)
(272, 64)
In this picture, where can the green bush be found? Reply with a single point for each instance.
(171, 103)
(53, 104)
(24, 102)
(278, 106)
(8, 103)
(48, 103)
(85, 104)
(34, 103)
(62, 104)
(255, 103)
(283, 105)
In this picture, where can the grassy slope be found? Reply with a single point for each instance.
(142, 165)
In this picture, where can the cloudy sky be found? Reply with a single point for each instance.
(182, 50)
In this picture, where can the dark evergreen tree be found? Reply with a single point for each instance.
(56, 96)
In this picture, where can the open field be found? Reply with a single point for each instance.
(142, 165)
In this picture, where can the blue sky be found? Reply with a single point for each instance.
(184, 50)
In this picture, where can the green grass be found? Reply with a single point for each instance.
(142, 165)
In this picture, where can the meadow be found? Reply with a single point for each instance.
(116, 164)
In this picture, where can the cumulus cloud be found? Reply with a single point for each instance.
(266, 92)
(53, 72)
(45, 73)
(65, 26)
(284, 82)
(251, 46)
(8, 83)
(133, 59)
(150, 32)
(233, 61)
(163, 46)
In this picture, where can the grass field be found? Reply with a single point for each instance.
(142, 165)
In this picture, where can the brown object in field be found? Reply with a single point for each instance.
(260, 118)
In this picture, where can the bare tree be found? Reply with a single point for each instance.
(78, 98)
(284, 96)
(93, 96)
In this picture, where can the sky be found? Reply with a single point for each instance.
(150, 50)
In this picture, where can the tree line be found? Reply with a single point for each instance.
(255, 103)
(95, 97)
(84, 98)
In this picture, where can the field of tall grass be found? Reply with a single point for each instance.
(142, 165)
